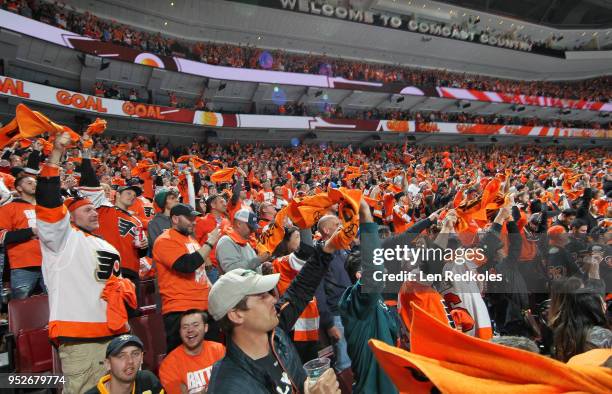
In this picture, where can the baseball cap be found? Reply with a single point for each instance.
(118, 343)
(183, 210)
(135, 188)
(233, 286)
(248, 217)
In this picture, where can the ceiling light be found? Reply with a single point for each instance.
(172, 4)
(165, 23)
(259, 37)
(512, 25)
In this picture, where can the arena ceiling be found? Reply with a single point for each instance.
(561, 14)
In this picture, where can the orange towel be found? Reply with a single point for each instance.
(224, 175)
(28, 123)
(274, 233)
(117, 292)
(306, 212)
(97, 127)
(457, 363)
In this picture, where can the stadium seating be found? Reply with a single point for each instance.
(29, 346)
(150, 329)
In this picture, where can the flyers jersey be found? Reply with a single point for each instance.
(120, 228)
(75, 267)
(17, 215)
(465, 296)
(143, 209)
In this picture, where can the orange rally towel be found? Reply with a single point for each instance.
(274, 233)
(28, 123)
(117, 292)
(348, 211)
(97, 127)
(141, 168)
(184, 158)
(454, 362)
(224, 175)
(307, 212)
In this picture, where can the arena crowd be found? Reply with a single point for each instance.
(249, 56)
(263, 256)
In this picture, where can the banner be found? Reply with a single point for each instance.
(101, 106)
(394, 21)
(496, 97)
(67, 39)
(531, 131)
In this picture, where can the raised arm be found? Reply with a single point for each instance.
(52, 217)
(302, 289)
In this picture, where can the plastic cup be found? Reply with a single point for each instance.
(315, 368)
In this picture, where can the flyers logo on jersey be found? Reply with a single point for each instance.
(108, 264)
(148, 211)
(126, 227)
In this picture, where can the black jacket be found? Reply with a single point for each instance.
(583, 209)
(238, 373)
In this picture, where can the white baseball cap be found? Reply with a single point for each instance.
(248, 217)
(233, 286)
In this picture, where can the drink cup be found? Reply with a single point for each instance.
(315, 368)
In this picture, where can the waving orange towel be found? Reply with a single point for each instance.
(117, 292)
(97, 127)
(272, 236)
(306, 212)
(224, 175)
(454, 362)
(28, 123)
(348, 211)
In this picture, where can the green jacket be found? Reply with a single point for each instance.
(365, 316)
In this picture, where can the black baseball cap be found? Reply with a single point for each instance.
(135, 188)
(118, 343)
(184, 210)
